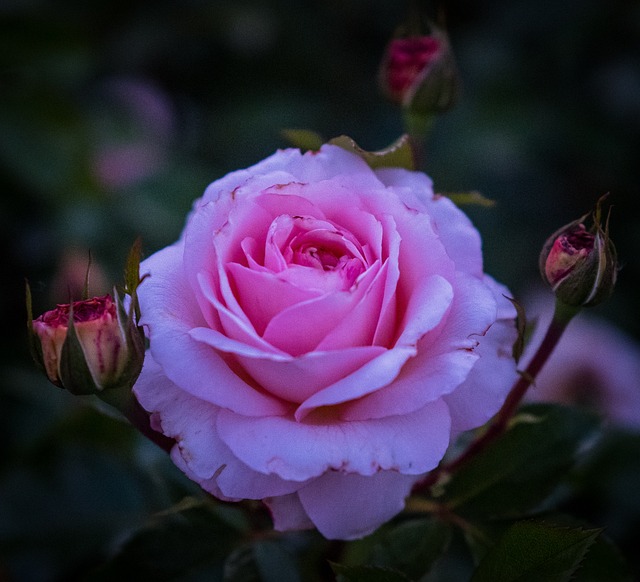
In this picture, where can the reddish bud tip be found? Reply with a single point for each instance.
(579, 263)
(89, 353)
(418, 73)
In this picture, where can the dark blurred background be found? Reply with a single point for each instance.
(114, 116)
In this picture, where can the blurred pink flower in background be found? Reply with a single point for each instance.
(136, 148)
(70, 276)
(595, 365)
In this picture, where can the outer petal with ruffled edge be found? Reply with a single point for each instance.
(365, 502)
(199, 451)
(480, 396)
(412, 443)
(169, 311)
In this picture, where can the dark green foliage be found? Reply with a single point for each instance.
(516, 473)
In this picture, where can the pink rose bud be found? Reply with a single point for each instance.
(579, 263)
(91, 353)
(418, 73)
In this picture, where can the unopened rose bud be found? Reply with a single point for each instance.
(579, 263)
(88, 346)
(419, 73)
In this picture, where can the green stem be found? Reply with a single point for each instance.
(561, 318)
(123, 400)
(417, 128)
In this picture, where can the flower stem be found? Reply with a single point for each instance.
(417, 128)
(561, 318)
(124, 401)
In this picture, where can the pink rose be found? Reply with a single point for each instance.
(318, 335)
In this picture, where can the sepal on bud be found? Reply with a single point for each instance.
(580, 263)
(418, 72)
(92, 345)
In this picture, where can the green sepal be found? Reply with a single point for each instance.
(521, 326)
(533, 550)
(397, 155)
(304, 139)
(134, 337)
(132, 275)
(75, 374)
(35, 345)
(85, 287)
(439, 89)
(471, 198)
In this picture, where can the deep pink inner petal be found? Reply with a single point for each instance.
(264, 294)
(313, 243)
(299, 280)
(301, 327)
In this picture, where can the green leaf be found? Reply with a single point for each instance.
(263, 561)
(530, 551)
(367, 574)
(604, 561)
(472, 197)
(189, 541)
(412, 546)
(305, 139)
(518, 471)
(398, 155)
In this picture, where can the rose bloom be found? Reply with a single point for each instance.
(318, 335)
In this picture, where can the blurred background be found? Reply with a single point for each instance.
(114, 116)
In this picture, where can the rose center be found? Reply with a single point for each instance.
(304, 241)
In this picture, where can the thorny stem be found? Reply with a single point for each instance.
(561, 318)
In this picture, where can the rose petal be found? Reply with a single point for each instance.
(386, 326)
(351, 506)
(200, 252)
(328, 162)
(477, 399)
(169, 312)
(288, 377)
(298, 378)
(437, 294)
(298, 451)
(191, 422)
(358, 326)
(287, 513)
(459, 236)
(209, 485)
(300, 328)
(444, 359)
(275, 295)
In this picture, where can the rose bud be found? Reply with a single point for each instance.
(419, 73)
(88, 346)
(579, 263)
